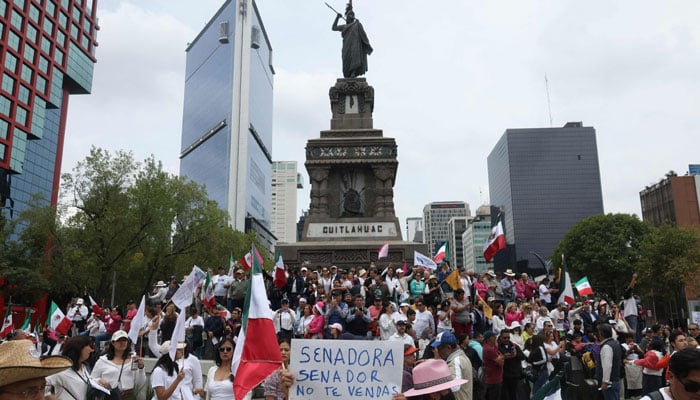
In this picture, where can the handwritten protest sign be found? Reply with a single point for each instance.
(368, 369)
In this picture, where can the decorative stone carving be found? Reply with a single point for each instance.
(348, 151)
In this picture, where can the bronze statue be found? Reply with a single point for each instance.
(356, 45)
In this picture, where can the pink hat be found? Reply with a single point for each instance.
(319, 307)
(432, 376)
(336, 326)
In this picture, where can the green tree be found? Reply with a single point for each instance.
(670, 258)
(606, 249)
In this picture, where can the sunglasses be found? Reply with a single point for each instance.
(225, 349)
(690, 387)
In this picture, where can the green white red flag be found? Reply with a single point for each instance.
(495, 242)
(443, 253)
(208, 298)
(57, 320)
(255, 357)
(566, 291)
(280, 279)
(7, 325)
(583, 287)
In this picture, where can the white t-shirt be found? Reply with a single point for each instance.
(220, 281)
(159, 377)
(544, 295)
(424, 320)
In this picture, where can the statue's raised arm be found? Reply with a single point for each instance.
(356, 45)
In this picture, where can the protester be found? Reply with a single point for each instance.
(73, 383)
(192, 385)
(608, 364)
(219, 384)
(457, 361)
(684, 377)
(23, 371)
(386, 324)
(652, 378)
(512, 367)
(114, 369)
(409, 361)
(493, 366)
(283, 321)
(273, 390)
(316, 325)
(431, 379)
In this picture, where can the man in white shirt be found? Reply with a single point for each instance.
(401, 334)
(221, 283)
(283, 320)
(425, 323)
(78, 313)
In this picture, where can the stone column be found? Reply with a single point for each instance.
(319, 192)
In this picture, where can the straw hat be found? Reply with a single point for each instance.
(160, 284)
(20, 361)
(509, 272)
(432, 376)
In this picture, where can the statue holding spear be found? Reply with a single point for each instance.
(356, 45)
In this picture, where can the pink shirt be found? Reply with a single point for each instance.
(516, 316)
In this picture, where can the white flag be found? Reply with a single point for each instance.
(137, 321)
(383, 251)
(420, 259)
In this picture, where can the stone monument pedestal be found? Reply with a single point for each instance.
(352, 170)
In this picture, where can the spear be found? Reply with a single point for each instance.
(337, 13)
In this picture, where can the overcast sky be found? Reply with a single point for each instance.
(449, 77)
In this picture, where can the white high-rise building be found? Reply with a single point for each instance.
(414, 229)
(473, 239)
(285, 182)
(436, 215)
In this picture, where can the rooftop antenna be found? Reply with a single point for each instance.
(549, 104)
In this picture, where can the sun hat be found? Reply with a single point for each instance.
(514, 324)
(336, 326)
(509, 272)
(21, 361)
(362, 272)
(445, 337)
(319, 307)
(119, 335)
(160, 284)
(432, 376)
(493, 274)
(165, 347)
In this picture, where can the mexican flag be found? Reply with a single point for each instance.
(280, 279)
(27, 325)
(256, 355)
(247, 260)
(231, 265)
(443, 253)
(96, 307)
(566, 292)
(57, 320)
(583, 287)
(208, 299)
(495, 242)
(7, 325)
(383, 251)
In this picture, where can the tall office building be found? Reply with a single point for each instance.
(285, 182)
(227, 116)
(48, 54)
(436, 215)
(414, 229)
(544, 180)
(455, 228)
(475, 235)
(673, 200)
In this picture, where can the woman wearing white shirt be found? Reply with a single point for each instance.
(167, 375)
(72, 383)
(386, 324)
(113, 370)
(219, 384)
(304, 321)
(192, 384)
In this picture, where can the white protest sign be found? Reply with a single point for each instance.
(696, 317)
(368, 369)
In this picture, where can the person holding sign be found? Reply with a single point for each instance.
(457, 361)
(273, 389)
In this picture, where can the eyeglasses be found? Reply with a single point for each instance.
(33, 392)
(690, 387)
(225, 349)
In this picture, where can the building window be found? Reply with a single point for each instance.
(27, 73)
(58, 57)
(63, 20)
(75, 31)
(32, 33)
(4, 128)
(87, 25)
(23, 94)
(41, 84)
(11, 62)
(3, 8)
(13, 41)
(8, 84)
(21, 115)
(48, 26)
(20, 4)
(44, 65)
(46, 45)
(5, 106)
(61, 38)
(34, 13)
(29, 53)
(50, 8)
(76, 13)
(85, 42)
(16, 20)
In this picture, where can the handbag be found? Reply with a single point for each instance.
(115, 393)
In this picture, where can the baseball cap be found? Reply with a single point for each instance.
(446, 337)
(119, 335)
(489, 334)
(408, 349)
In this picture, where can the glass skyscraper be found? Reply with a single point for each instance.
(47, 54)
(227, 118)
(544, 180)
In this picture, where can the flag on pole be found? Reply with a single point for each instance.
(27, 325)
(443, 253)
(453, 280)
(96, 307)
(255, 358)
(137, 321)
(566, 291)
(488, 311)
(57, 320)
(405, 268)
(383, 251)
(423, 260)
(495, 242)
(208, 298)
(7, 326)
(280, 279)
(583, 287)
(247, 260)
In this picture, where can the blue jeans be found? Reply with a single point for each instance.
(612, 392)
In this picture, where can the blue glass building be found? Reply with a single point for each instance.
(227, 117)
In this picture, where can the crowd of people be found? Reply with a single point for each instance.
(501, 337)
